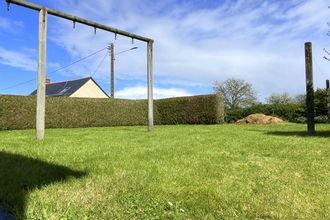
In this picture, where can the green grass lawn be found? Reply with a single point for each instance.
(177, 172)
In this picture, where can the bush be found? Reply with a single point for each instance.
(19, 112)
(203, 109)
(321, 119)
(320, 100)
(300, 119)
(289, 112)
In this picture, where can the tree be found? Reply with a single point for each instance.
(236, 93)
(279, 98)
(300, 99)
(320, 101)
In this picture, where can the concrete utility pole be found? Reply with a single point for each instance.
(328, 98)
(41, 88)
(112, 70)
(309, 88)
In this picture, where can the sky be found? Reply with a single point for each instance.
(196, 42)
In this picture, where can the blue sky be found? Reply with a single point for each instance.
(196, 43)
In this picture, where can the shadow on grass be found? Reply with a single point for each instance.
(299, 133)
(20, 175)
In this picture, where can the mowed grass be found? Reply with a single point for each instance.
(204, 171)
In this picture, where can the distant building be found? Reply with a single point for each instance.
(79, 88)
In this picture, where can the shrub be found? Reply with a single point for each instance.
(300, 119)
(321, 119)
(19, 112)
(320, 100)
(289, 112)
(203, 109)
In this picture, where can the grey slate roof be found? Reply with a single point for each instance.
(66, 88)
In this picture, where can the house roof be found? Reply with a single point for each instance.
(66, 88)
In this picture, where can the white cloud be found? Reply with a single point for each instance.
(10, 25)
(140, 92)
(25, 59)
(260, 41)
(4, 23)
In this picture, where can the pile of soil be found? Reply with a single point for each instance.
(260, 119)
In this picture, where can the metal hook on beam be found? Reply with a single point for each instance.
(8, 4)
(44, 14)
(74, 24)
(94, 30)
(115, 36)
(132, 40)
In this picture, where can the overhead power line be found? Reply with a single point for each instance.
(319, 68)
(77, 61)
(61, 68)
(100, 63)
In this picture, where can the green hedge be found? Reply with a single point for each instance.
(203, 109)
(18, 112)
(289, 112)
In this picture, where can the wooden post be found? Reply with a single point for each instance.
(150, 87)
(309, 88)
(328, 98)
(112, 71)
(41, 88)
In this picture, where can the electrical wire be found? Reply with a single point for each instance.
(319, 68)
(61, 68)
(84, 58)
(99, 65)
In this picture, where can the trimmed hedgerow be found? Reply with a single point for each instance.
(19, 112)
(203, 109)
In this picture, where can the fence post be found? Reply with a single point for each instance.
(41, 88)
(150, 87)
(309, 88)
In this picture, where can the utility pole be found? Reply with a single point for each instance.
(309, 88)
(328, 98)
(41, 88)
(112, 70)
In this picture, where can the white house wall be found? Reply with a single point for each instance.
(89, 90)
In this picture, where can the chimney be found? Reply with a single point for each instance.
(47, 81)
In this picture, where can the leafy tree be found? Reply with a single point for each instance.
(236, 93)
(279, 98)
(320, 102)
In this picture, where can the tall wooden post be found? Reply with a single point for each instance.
(328, 98)
(112, 71)
(309, 88)
(150, 87)
(41, 88)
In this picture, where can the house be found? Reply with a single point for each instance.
(79, 88)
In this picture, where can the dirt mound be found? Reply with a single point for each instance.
(260, 119)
